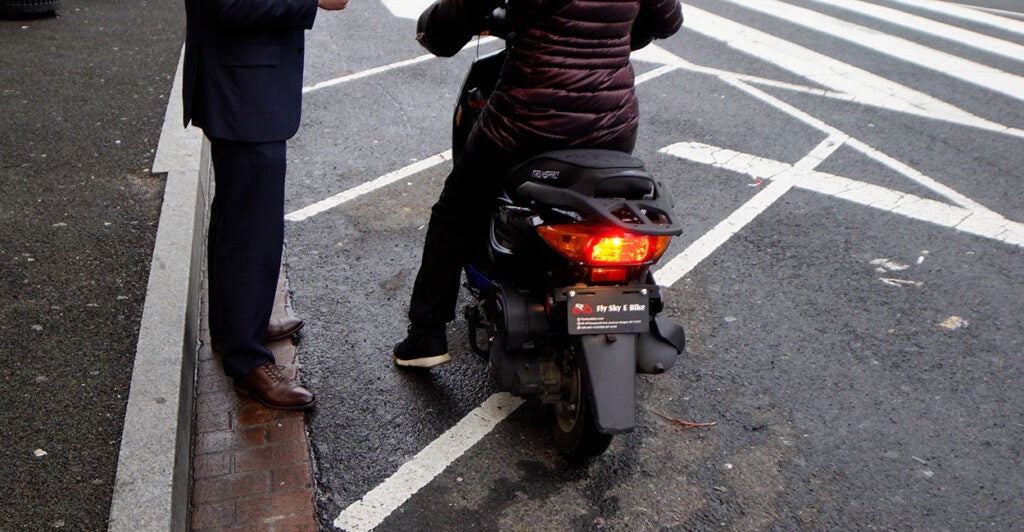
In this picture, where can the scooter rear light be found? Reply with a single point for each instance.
(603, 246)
(609, 275)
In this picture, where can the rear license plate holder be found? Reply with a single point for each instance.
(608, 310)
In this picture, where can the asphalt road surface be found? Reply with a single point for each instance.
(849, 175)
(850, 276)
(82, 100)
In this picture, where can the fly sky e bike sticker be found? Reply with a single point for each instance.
(595, 310)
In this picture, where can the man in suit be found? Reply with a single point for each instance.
(242, 86)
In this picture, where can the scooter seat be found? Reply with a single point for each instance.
(596, 173)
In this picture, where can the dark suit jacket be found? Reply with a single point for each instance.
(242, 76)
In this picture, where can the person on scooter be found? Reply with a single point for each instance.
(566, 83)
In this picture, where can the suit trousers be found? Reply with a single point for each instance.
(245, 242)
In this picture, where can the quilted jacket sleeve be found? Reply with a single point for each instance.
(658, 19)
(447, 25)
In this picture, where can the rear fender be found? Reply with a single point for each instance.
(659, 346)
(608, 366)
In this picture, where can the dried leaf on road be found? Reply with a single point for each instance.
(685, 425)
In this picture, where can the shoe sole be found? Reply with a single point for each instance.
(425, 362)
(255, 396)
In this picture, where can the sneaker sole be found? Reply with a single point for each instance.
(425, 362)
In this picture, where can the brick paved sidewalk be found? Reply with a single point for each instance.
(251, 465)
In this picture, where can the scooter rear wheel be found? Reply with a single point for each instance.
(572, 420)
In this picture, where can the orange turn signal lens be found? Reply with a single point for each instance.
(603, 246)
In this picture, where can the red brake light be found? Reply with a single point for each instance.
(609, 275)
(601, 246)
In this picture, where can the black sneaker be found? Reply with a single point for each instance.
(422, 348)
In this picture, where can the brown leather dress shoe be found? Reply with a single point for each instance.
(281, 328)
(270, 386)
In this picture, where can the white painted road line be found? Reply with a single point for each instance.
(676, 268)
(977, 74)
(660, 71)
(970, 13)
(970, 216)
(409, 9)
(853, 84)
(981, 223)
(653, 53)
(877, 155)
(376, 505)
(385, 68)
(367, 187)
(366, 73)
(402, 173)
(925, 25)
(841, 80)
(783, 177)
(863, 87)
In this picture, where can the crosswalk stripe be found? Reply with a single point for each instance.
(863, 87)
(970, 13)
(971, 72)
(925, 25)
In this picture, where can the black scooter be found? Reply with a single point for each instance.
(567, 310)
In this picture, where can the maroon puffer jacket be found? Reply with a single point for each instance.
(568, 82)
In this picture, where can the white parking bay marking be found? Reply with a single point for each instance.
(840, 81)
(367, 187)
(407, 171)
(376, 505)
(782, 177)
(782, 181)
(386, 68)
(981, 222)
(407, 8)
(967, 215)
(366, 73)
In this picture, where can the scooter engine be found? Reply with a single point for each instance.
(520, 318)
(517, 364)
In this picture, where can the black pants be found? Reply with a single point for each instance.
(458, 220)
(246, 238)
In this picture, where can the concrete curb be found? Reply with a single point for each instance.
(151, 489)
